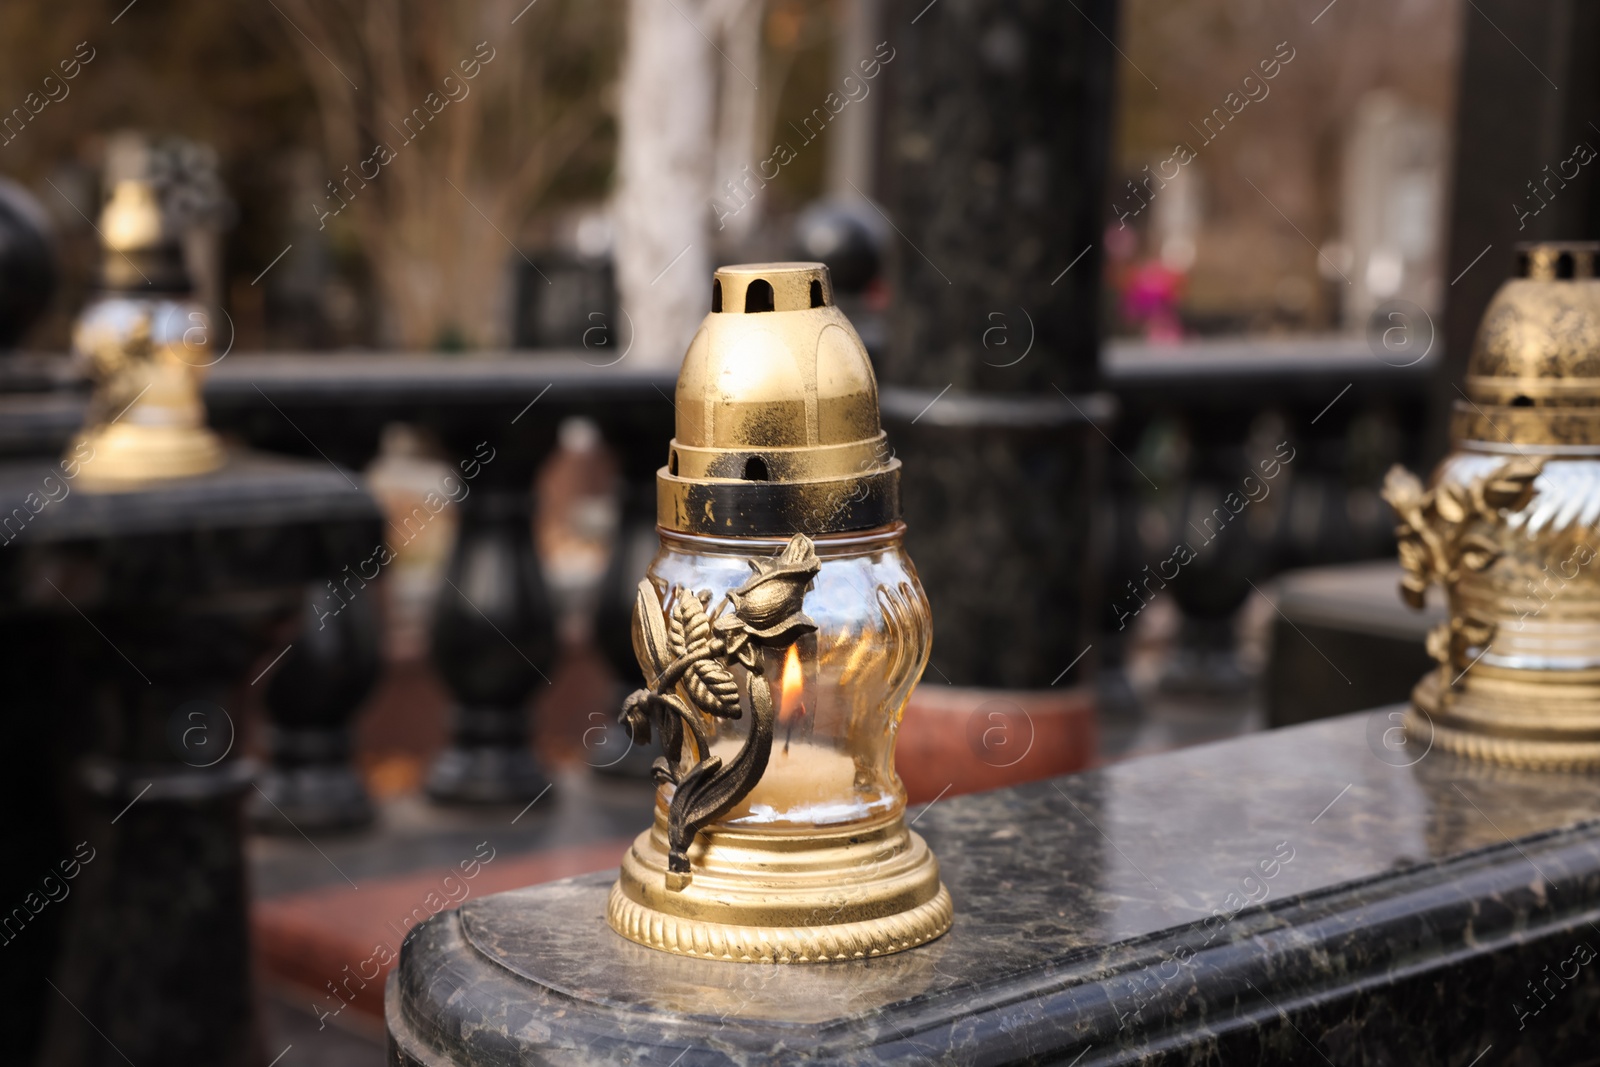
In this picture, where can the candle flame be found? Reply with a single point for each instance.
(790, 692)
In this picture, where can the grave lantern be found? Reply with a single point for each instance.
(147, 345)
(1509, 526)
(780, 629)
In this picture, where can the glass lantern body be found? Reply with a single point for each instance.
(166, 383)
(148, 354)
(837, 692)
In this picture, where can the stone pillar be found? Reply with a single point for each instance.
(27, 263)
(151, 607)
(155, 962)
(996, 147)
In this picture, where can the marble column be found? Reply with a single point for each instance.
(995, 149)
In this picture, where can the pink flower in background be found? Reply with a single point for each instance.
(1150, 298)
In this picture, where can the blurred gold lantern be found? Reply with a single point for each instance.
(1508, 527)
(147, 346)
(781, 629)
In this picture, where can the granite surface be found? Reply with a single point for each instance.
(1349, 613)
(1300, 896)
(385, 379)
(334, 405)
(304, 403)
(249, 489)
(39, 423)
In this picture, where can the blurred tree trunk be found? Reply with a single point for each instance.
(741, 132)
(665, 152)
(852, 156)
(482, 108)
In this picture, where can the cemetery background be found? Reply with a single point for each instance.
(556, 180)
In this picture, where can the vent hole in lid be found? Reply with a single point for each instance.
(716, 294)
(672, 462)
(755, 468)
(758, 297)
(1521, 402)
(816, 293)
(1565, 266)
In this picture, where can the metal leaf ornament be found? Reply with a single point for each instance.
(1441, 539)
(709, 684)
(689, 657)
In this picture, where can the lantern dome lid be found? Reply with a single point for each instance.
(141, 253)
(777, 415)
(1534, 374)
(1539, 341)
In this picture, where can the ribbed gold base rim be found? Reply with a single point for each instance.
(1485, 726)
(769, 895)
(1510, 751)
(770, 944)
(129, 456)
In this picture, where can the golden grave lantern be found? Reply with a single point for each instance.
(781, 629)
(147, 345)
(1510, 527)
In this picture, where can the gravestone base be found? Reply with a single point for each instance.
(1290, 897)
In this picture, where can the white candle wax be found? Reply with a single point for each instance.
(806, 784)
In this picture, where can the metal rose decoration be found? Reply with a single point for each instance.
(1441, 539)
(689, 656)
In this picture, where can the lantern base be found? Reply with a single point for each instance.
(1545, 723)
(126, 455)
(808, 896)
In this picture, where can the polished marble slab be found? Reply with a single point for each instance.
(1332, 891)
